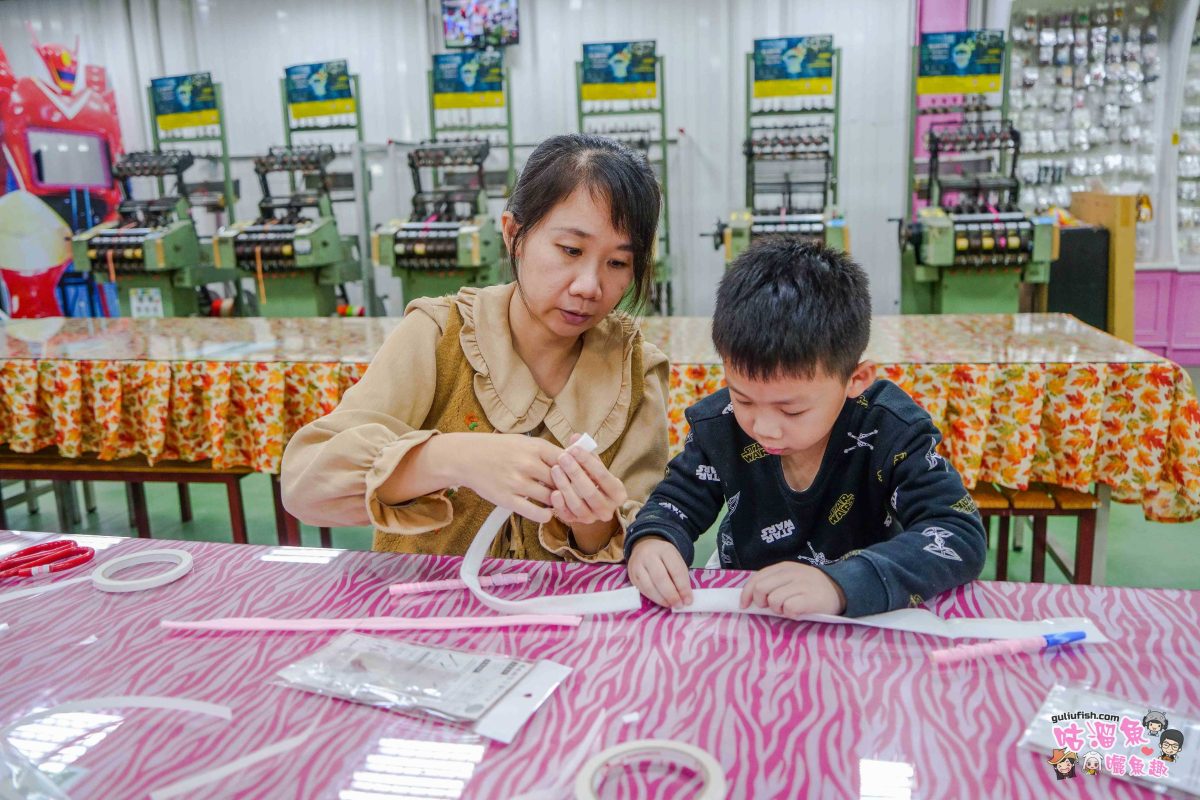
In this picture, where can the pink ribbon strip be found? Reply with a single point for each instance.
(372, 623)
(421, 587)
(967, 652)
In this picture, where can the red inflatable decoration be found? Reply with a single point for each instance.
(58, 140)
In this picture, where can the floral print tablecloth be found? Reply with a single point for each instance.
(1019, 398)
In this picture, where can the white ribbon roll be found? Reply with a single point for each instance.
(181, 559)
(715, 787)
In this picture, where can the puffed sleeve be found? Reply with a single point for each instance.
(333, 467)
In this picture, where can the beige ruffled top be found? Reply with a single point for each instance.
(333, 467)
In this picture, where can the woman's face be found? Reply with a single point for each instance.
(573, 267)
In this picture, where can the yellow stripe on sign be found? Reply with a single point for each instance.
(619, 91)
(322, 108)
(189, 119)
(469, 100)
(793, 86)
(958, 84)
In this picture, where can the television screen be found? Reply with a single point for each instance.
(69, 158)
(480, 23)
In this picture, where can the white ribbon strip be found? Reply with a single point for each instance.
(714, 788)
(45, 587)
(124, 701)
(181, 559)
(727, 601)
(454, 584)
(192, 782)
(914, 620)
(371, 623)
(609, 602)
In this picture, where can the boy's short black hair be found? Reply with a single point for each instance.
(791, 307)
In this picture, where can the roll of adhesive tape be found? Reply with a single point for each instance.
(181, 559)
(714, 777)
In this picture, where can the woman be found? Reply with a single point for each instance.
(472, 399)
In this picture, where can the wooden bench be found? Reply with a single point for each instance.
(135, 472)
(1040, 502)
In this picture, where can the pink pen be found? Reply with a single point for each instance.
(421, 587)
(968, 652)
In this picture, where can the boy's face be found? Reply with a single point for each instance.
(790, 415)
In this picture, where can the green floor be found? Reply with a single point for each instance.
(1140, 553)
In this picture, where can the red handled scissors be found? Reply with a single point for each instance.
(43, 559)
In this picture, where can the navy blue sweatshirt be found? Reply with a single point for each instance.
(886, 517)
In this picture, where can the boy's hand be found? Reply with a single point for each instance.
(793, 590)
(658, 571)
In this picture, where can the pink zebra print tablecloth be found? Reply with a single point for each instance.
(789, 710)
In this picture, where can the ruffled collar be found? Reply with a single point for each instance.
(596, 397)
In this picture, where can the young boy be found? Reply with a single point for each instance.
(837, 494)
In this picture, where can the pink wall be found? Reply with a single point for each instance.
(937, 16)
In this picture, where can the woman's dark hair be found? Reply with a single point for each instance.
(610, 170)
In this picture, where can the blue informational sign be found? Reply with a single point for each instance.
(319, 90)
(793, 65)
(620, 71)
(468, 79)
(184, 101)
(961, 62)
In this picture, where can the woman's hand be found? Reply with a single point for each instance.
(584, 491)
(509, 469)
